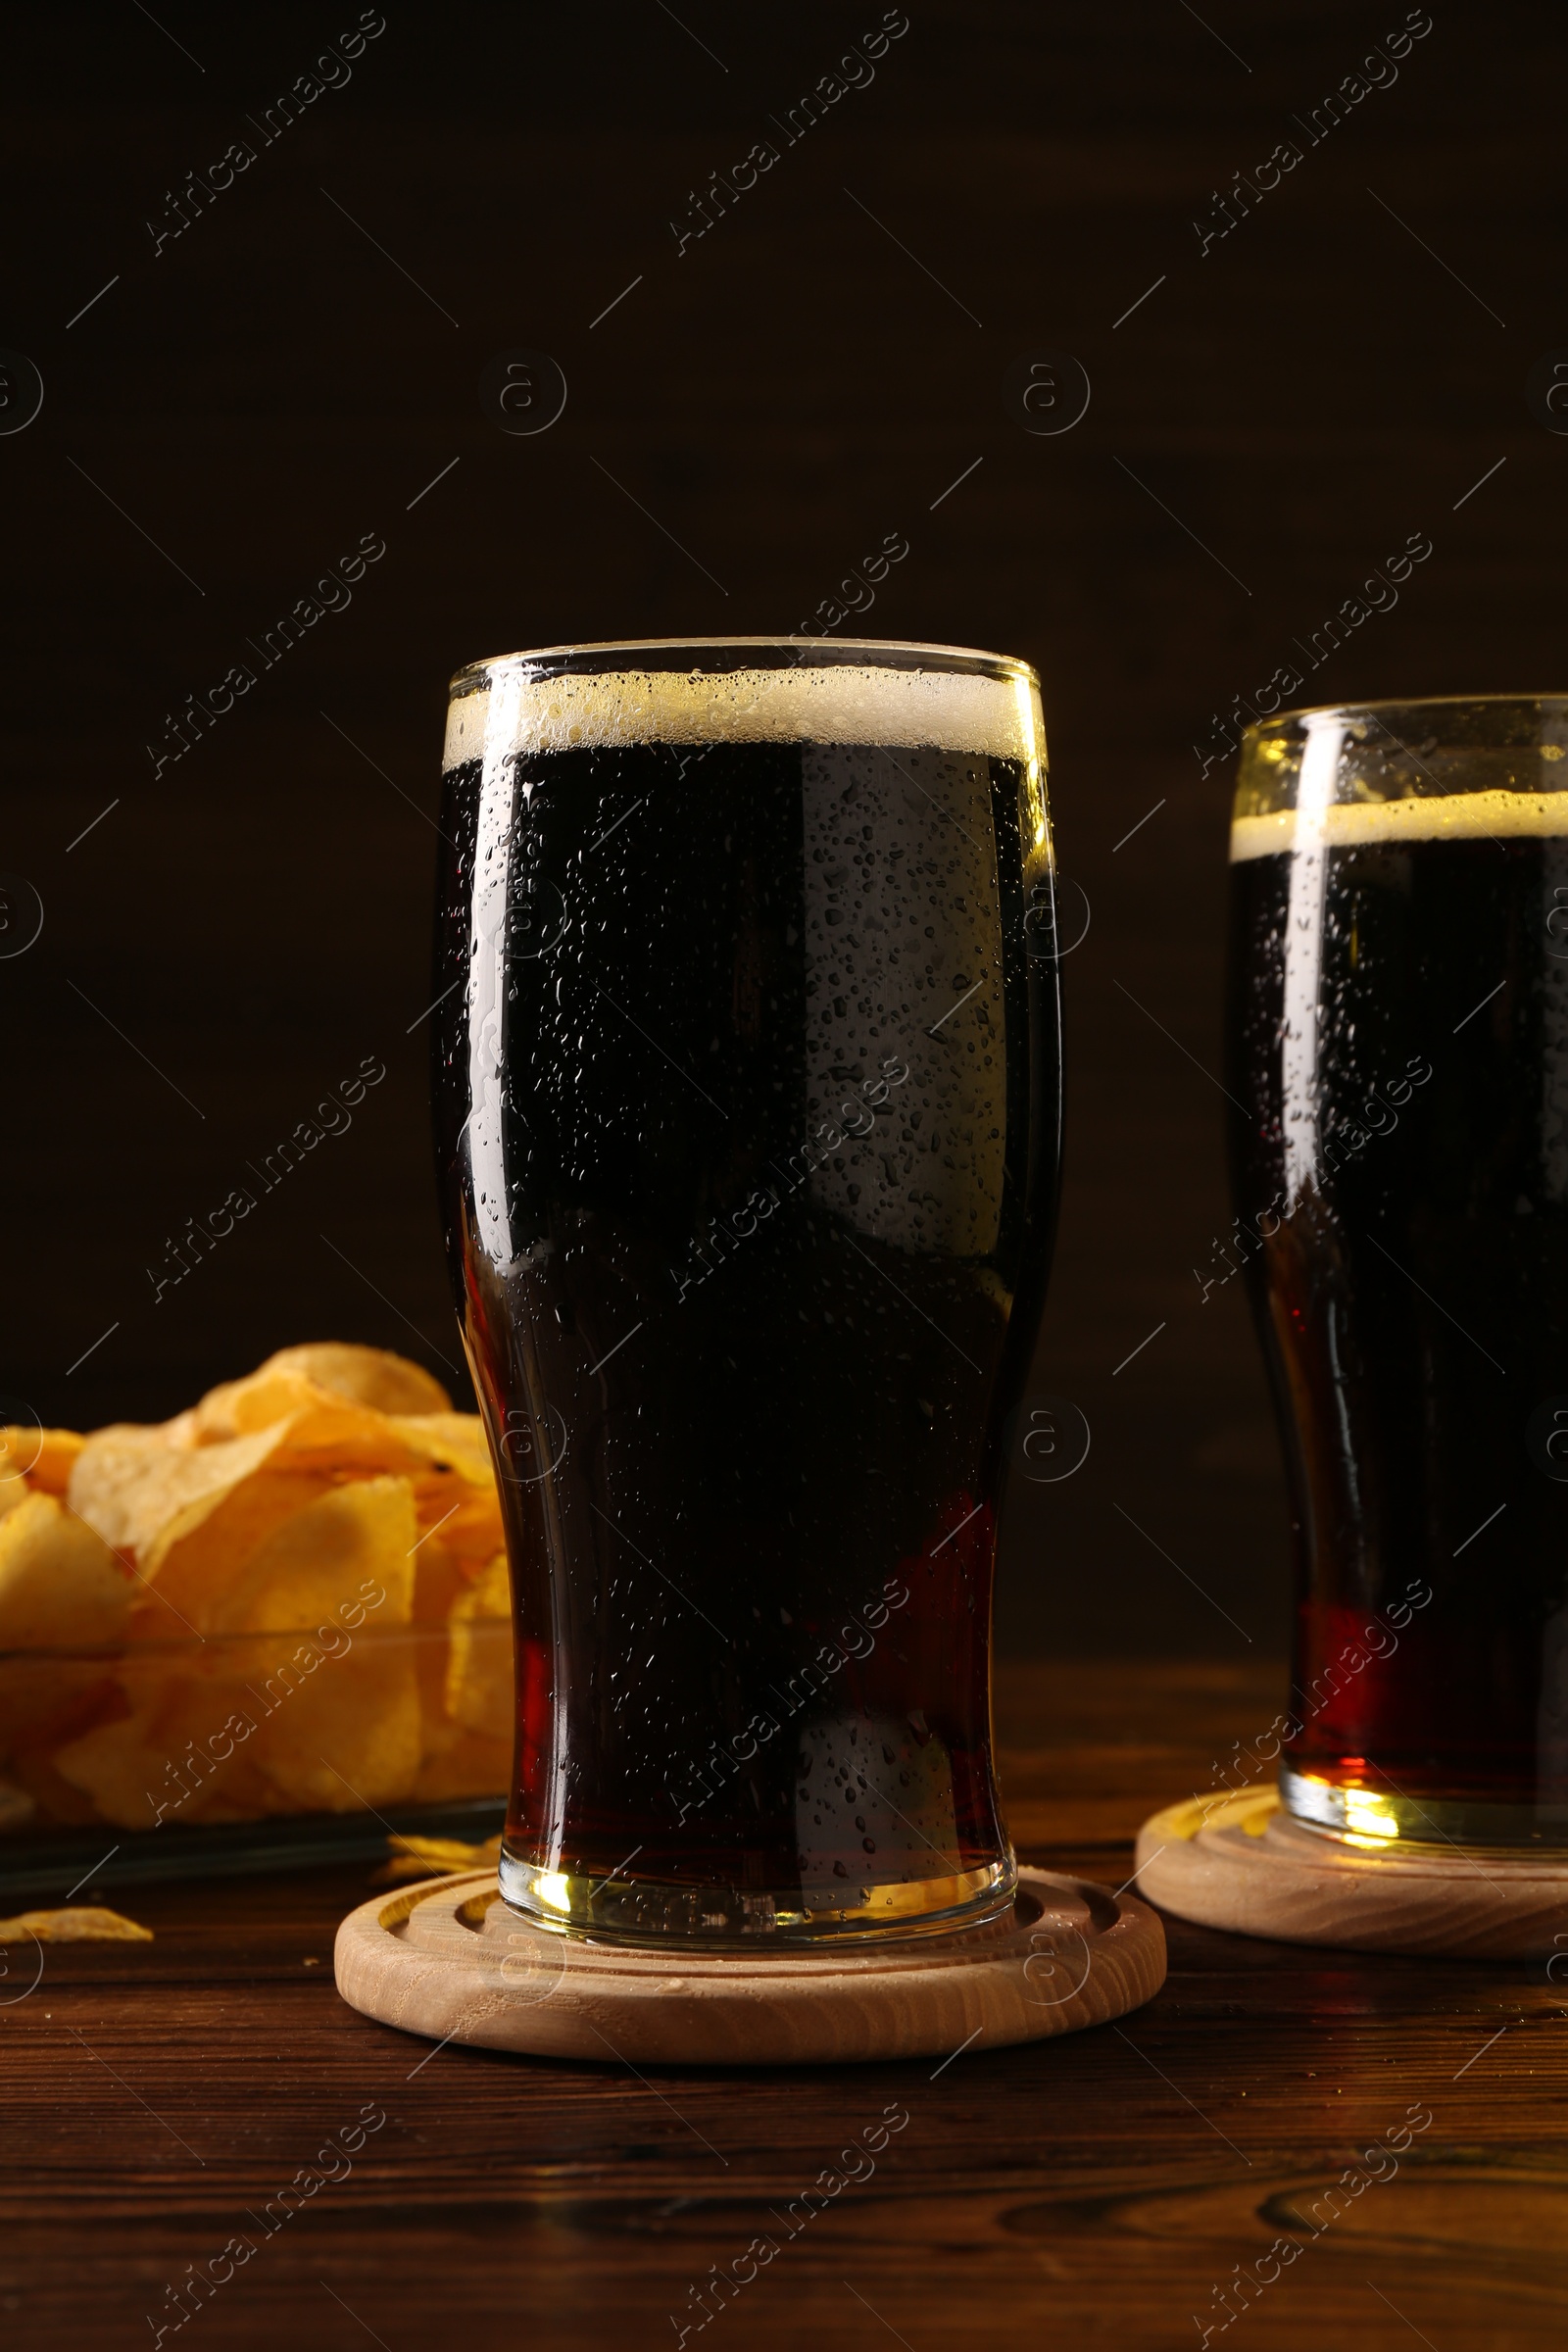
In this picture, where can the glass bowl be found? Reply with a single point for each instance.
(237, 1752)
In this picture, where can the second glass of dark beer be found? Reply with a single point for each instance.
(1399, 1060)
(748, 1090)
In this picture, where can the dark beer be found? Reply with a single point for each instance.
(1399, 1060)
(747, 1116)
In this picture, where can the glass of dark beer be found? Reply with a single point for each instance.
(1399, 1069)
(747, 1110)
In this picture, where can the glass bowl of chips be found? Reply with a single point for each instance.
(273, 1628)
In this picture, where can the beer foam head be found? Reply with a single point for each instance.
(519, 704)
(1496, 816)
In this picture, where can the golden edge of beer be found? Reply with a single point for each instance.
(1436, 816)
(840, 703)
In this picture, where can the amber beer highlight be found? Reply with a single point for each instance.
(748, 1102)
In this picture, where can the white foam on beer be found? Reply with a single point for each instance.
(837, 703)
(1435, 816)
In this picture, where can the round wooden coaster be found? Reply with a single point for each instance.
(449, 1960)
(1244, 1864)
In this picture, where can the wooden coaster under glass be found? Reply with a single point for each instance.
(449, 1960)
(1244, 1864)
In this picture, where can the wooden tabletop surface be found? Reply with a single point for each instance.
(160, 2098)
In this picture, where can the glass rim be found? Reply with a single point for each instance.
(1373, 704)
(1477, 754)
(887, 652)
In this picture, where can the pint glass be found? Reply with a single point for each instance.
(748, 1106)
(1399, 1070)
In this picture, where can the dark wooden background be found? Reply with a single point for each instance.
(300, 365)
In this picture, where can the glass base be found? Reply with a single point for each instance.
(644, 1911)
(1379, 1818)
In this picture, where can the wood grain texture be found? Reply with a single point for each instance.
(1243, 1865)
(1097, 2189)
(450, 1961)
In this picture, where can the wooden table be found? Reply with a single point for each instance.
(160, 2098)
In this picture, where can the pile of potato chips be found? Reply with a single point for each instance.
(291, 1598)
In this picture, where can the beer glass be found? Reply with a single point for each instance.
(748, 1100)
(1397, 1044)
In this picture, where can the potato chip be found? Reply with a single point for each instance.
(295, 1377)
(133, 1485)
(177, 1751)
(287, 1705)
(188, 1572)
(61, 1587)
(444, 1453)
(352, 1439)
(456, 1498)
(350, 1543)
(278, 1543)
(122, 1767)
(44, 1700)
(479, 1690)
(53, 1452)
(81, 1923)
(34, 1462)
(449, 1440)
(20, 1445)
(465, 1690)
(147, 1493)
(327, 1442)
(433, 1858)
(343, 1726)
(350, 1737)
